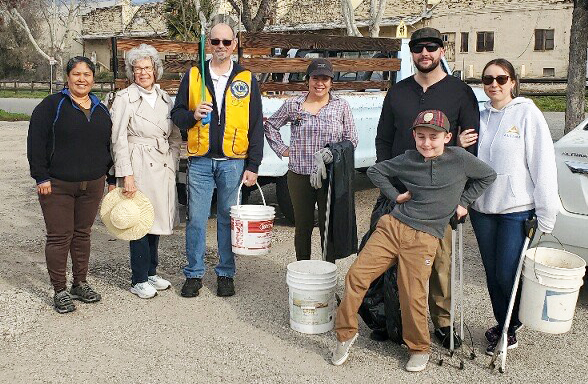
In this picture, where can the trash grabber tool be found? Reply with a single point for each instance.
(456, 247)
(327, 216)
(530, 228)
(202, 50)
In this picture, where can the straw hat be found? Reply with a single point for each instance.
(127, 218)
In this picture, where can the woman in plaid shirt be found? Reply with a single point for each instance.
(316, 119)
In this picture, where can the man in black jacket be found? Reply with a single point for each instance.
(225, 148)
(429, 88)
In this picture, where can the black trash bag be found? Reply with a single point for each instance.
(380, 309)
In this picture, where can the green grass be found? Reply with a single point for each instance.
(552, 103)
(23, 94)
(9, 116)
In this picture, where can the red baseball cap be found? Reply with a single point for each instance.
(432, 118)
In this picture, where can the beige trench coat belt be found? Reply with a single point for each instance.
(160, 144)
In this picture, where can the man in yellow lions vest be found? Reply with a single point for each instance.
(221, 153)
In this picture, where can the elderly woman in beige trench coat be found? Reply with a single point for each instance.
(146, 147)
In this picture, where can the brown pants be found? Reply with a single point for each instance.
(304, 197)
(440, 283)
(69, 213)
(392, 242)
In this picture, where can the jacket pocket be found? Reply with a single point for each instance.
(500, 195)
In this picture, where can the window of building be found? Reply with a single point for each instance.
(548, 72)
(544, 39)
(449, 44)
(485, 42)
(465, 42)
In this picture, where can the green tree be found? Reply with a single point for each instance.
(181, 17)
(16, 53)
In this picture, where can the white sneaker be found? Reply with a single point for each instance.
(341, 351)
(144, 290)
(417, 362)
(158, 282)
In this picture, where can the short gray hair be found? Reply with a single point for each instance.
(143, 51)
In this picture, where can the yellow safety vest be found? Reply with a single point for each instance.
(236, 105)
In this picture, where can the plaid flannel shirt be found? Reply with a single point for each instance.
(309, 133)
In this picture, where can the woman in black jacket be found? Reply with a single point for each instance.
(68, 148)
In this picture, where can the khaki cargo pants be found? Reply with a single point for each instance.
(393, 242)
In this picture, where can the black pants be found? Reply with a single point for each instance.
(304, 197)
(144, 258)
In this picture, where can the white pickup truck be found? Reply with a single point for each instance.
(365, 106)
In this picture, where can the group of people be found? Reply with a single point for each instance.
(437, 156)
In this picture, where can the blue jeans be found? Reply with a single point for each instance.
(501, 239)
(144, 258)
(203, 175)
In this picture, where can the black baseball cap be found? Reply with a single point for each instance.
(425, 34)
(320, 67)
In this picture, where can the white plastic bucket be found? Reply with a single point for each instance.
(551, 282)
(251, 227)
(311, 295)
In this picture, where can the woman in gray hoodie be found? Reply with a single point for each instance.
(514, 139)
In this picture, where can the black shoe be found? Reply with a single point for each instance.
(85, 293)
(63, 302)
(191, 287)
(442, 335)
(493, 334)
(511, 343)
(225, 286)
(378, 335)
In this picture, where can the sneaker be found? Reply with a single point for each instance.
(85, 293)
(442, 335)
(144, 290)
(225, 286)
(493, 334)
(378, 335)
(158, 282)
(417, 362)
(341, 351)
(191, 287)
(512, 343)
(63, 303)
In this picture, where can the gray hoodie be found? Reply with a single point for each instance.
(515, 141)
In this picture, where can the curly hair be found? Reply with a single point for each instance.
(143, 51)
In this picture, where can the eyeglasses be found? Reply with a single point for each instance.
(141, 69)
(418, 48)
(500, 79)
(226, 43)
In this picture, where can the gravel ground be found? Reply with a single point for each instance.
(245, 338)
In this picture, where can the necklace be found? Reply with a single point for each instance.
(84, 103)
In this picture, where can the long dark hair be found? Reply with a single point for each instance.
(508, 68)
(80, 59)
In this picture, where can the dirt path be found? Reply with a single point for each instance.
(245, 338)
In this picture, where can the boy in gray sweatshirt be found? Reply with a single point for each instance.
(436, 179)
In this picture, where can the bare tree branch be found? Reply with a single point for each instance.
(15, 16)
(349, 17)
(376, 13)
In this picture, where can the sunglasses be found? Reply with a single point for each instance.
(500, 79)
(418, 48)
(226, 43)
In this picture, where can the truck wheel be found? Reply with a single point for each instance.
(283, 196)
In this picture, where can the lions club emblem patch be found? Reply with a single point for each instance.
(239, 89)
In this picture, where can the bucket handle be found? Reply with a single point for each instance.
(539, 279)
(258, 187)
